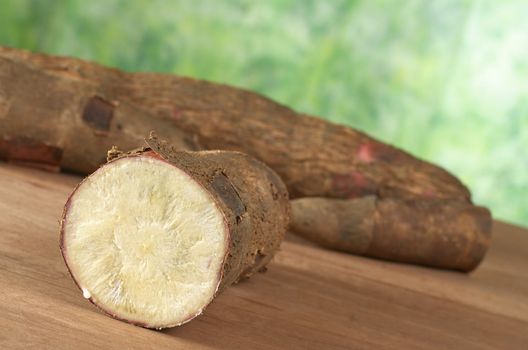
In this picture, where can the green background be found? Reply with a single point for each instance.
(446, 80)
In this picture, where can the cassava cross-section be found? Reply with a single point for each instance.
(152, 236)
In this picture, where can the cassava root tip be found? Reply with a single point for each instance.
(444, 233)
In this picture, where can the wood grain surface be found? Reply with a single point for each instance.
(310, 298)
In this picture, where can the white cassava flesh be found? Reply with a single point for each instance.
(145, 242)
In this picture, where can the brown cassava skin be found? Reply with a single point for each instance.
(443, 233)
(51, 122)
(252, 198)
(315, 158)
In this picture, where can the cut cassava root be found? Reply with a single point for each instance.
(153, 235)
(141, 249)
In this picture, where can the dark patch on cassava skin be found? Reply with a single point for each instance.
(30, 152)
(228, 194)
(98, 114)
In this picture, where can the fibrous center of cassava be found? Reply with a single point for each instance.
(145, 241)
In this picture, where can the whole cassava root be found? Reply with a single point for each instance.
(315, 158)
(153, 235)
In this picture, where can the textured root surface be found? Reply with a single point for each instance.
(315, 158)
(450, 234)
(145, 242)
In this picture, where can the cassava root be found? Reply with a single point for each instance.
(442, 233)
(87, 108)
(154, 235)
(315, 158)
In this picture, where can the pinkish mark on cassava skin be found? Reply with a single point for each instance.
(364, 153)
(353, 185)
(430, 194)
(371, 151)
(176, 114)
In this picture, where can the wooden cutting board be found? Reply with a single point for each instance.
(310, 298)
